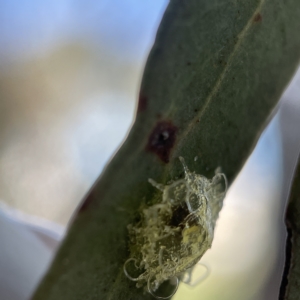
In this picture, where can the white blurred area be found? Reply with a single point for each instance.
(69, 77)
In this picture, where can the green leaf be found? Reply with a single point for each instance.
(214, 75)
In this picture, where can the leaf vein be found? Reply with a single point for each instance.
(215, 89)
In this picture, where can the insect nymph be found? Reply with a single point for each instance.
(173, 234)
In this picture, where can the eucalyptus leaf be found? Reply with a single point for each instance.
(213, 77)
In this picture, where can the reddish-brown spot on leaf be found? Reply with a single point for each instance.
(143, 103)
(87, 202)
(257, 18)
(162, 139)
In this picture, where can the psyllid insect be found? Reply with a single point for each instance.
(173, 234)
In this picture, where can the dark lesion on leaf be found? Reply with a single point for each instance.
(87, 202)
(257, 18)
(162, 139)
(143, 103)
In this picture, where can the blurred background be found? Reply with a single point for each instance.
(69, 78)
